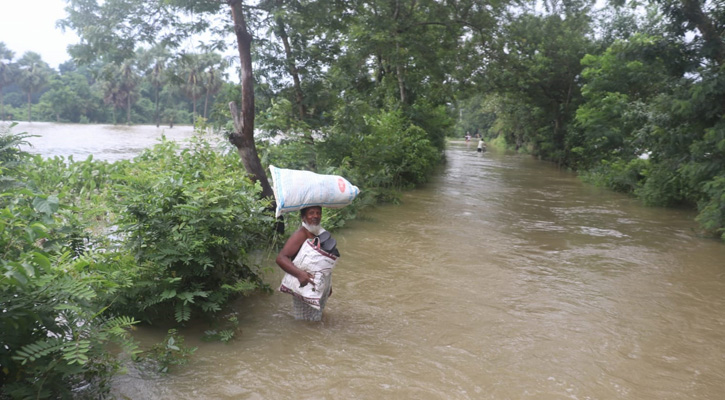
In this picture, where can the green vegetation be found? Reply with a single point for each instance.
(55, 296)
(190, 222)
(91, 248)
(632, 99)
(630, 96)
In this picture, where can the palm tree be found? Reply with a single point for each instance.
(128, 79)
(34, 74)
(6, 58)
(157, 81)
(110, 86)
(192, 75)
(212, 81)
(153, 63)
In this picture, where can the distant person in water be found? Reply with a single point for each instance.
(481, 146)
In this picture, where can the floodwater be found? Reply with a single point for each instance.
(104, 142)
(503, 278)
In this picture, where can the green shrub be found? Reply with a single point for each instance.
(170, 352)
(190, 218)
(712, 210)
(619, 175)
(54, 323)
(663, 186)
(394, 154)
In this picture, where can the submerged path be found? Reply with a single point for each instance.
(504, 278)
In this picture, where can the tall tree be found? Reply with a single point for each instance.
(114, 28)
(154, 64)
(6, 59)
(304, 39)
(213, 79)
(62, 99)
(190, 70)
(112, 93)
(34, 76)
(537, 64)
(128, 80)
(243, 136)
(705, 16)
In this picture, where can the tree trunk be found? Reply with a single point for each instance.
(128, 109)
(193, 113)
(399, 72)
(692, 10)
(29, 96)
(292, 68)
(206, 101)
(156, 113)
(243, 137)
(299, 95)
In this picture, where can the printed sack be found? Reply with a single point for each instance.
(313, 259)
(296, 189)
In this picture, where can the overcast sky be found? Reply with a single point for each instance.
(30, 26)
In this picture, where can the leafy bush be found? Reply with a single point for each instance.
(618, 175)
(395, 153)
(663, 186)
(54, 320)
(712, 210)
(10, 155)
(388, 153)
(170, 352)
(190, 217)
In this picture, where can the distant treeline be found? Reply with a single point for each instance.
(151, 88)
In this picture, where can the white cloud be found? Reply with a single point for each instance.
(30, 26)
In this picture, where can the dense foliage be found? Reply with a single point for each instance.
(54, 296)
(89, 248)
(630, 95)
(190, 221)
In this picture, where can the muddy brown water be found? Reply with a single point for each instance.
(104, 142)
(504, 278)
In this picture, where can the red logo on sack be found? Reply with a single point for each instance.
(341, 185)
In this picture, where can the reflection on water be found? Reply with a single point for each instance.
(504, 278)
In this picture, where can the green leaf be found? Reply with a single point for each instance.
(41, 260)
(47, 205)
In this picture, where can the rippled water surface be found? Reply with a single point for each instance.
(504, 278)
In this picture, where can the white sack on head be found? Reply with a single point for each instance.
(295, 189)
